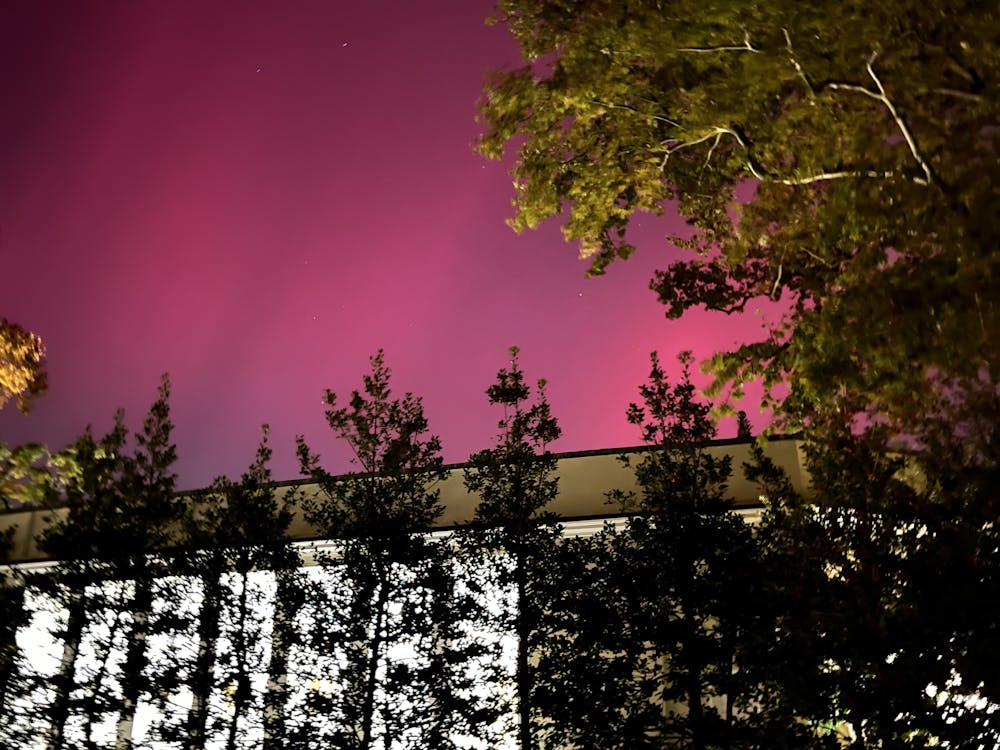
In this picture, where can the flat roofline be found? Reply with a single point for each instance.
(450, 467)
(559, 456)
(586, 478)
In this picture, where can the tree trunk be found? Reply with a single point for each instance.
(276, 692)
(729, 638)
(523, 628)
(696, 714)
(441, 664)
(244, 691)
(696, 717)
(203, 675)
(63, 683)
(91, 714)
(136, 659)
(374, 659)
(13, 609)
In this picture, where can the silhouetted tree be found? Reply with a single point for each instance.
(881, 579)
(234, 543)
(586, 649)
(13, 616)
(694, 582)
(363, 613)
(29, 476)
(122, 515)
(513, 535)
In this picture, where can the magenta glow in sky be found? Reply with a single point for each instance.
(255, 196)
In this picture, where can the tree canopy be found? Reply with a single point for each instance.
(838, 157)
(21, 373)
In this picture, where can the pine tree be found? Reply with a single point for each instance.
(235, 541)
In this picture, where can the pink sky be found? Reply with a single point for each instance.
(255, 196)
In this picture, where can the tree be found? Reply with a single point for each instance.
(959, 555)
(21, 373)
(236, 541)
(696, 579)
(588, 652)
(883, 584)
(29, 475)
(121, 517)
(373, 598)
(515, 481)
(837, 157)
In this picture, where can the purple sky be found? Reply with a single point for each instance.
(255, 196)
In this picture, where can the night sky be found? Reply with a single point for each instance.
(255, 196)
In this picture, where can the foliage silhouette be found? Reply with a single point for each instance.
(879, 583)
(380, 581)
(515, 481)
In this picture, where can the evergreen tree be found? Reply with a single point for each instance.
(235, 543)
(288, 595)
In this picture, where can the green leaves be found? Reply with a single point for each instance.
(869, 134)
(30, 474)
(21, 373)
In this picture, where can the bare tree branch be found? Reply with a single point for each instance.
(754, 168)
(900, 123)
(633, 110)
(761, 174)
(715, 144)
(958, 94)
(676, 144)
(717, 132)
(857, 88)
(822, 261)
(777, 282)
(846, 174)
(880, 96)
(745, 47)
(798, 66)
